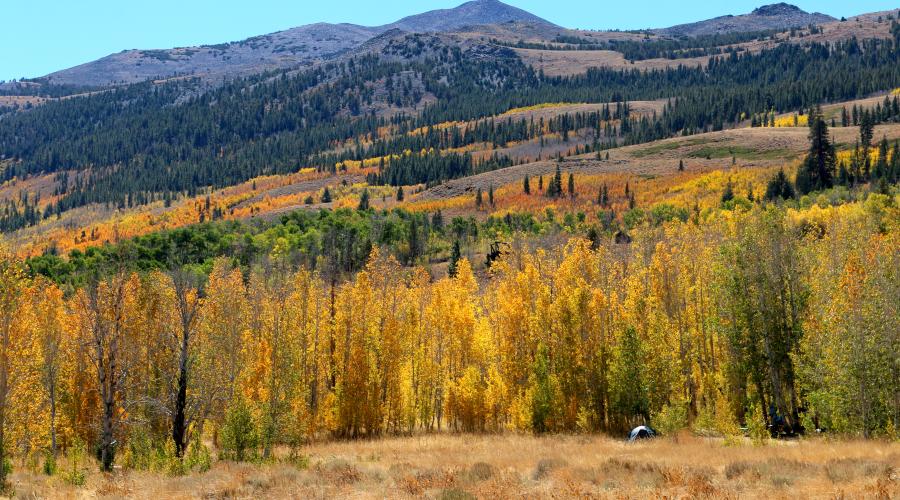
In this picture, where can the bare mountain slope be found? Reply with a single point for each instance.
(293, 47)
(301, 46)
(476, 12)
(777, 16)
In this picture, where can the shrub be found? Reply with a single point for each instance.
(670, 419)
(239, 436)
(75, 476)
(198, 458)
(756, 426)
(50, 464)
(139, 452)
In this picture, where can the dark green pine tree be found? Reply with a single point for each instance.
(817, 171)
(894, 175)
(541, 183)
(415, 242)
(526, 186)
(491, 195)
(364, 200)
(779, 187)
(326, 196)
(572, 185)
(681, 165)
(881, 165)
(437, 221)
(557, 182)
(603, 196)
(455, 255)
(728, 195)
(400, 193)
(478, 198)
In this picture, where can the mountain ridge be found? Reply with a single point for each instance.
(777, 16)
(295, 47)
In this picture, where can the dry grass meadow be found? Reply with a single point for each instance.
(507, 466)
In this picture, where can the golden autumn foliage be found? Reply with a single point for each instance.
(579, 336)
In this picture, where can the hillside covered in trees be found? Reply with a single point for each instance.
(429, 235)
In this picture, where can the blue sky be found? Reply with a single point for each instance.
(38, 37)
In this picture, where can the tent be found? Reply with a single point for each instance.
(640, 432)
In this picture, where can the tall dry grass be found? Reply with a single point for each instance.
(504, 466)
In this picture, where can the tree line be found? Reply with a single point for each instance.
(147, 142)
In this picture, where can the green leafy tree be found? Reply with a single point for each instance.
(631, 398)
(239, 435)
(543, 392)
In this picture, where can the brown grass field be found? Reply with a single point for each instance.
(508, 466)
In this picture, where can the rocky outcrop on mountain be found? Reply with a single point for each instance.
(779, 16)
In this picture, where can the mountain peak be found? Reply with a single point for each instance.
(475, 12)
(778, 9)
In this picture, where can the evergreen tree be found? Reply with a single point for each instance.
(817, 171)
(491, 195)
(681, 165)
(779, 187)
(728, 195)
(437, 221)
(526, 187)
(866, 130)
(400, 193)
(478, 198)
(572, 185)
(881, 166)
(364, 200)
(541, 183)
(326, 196)
(603, 196)
(557, 182)
(455, 255)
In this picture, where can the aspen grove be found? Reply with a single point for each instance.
(723, 319)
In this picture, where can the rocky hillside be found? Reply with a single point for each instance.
(294, 47)
(477, 12)
(777, 16)
(297, 47)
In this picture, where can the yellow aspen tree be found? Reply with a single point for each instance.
(20, 384)
(269, 349)
(518, 302)
(306, 350)
(357, 389)
(48, 306)
(105, 312)
(222, 328)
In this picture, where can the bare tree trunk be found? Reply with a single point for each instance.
(187, 312)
